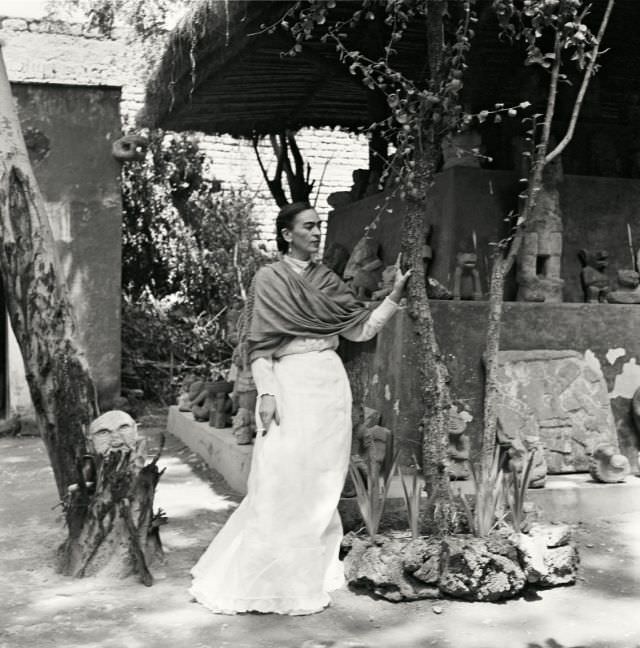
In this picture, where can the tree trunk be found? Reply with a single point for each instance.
(42, 319)
(434, 376)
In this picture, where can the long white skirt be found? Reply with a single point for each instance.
(278, 552)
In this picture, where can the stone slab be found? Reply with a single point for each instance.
(559, 398)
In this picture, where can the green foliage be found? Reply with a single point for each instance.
(148, 19)
(487, 510)
(182, 237)
(372, 491)
(412, 496)
(516, 492)
(188, 254)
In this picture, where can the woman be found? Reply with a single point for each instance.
(278, 552)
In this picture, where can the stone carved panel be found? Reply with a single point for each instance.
(560, 398)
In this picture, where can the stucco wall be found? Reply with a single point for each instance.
(73, 128)
(608, 331)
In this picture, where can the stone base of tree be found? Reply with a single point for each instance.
(398, 568)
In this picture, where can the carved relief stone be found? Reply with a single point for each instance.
(558, 398)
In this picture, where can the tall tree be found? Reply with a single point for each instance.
(422, 112)
(96, 490)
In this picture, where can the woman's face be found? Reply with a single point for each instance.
(304, 235)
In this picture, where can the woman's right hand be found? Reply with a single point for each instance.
(268, 411)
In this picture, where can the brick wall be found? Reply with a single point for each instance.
(42, 51)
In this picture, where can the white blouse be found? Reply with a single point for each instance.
(262, 368)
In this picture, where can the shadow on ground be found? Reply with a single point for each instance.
(42, 609)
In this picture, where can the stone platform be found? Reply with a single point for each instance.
(565, 498)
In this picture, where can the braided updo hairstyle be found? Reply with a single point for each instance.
(285, 219)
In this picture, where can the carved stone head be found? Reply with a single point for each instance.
(115, 431)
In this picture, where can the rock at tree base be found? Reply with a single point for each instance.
(480, 569)
(381, 569)
(399, 568)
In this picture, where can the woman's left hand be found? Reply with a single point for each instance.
(400, 281)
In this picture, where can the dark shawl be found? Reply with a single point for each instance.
(316, 303)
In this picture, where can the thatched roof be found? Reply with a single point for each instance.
(222, 72)
(241, 83)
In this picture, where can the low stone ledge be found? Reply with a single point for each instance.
(216, 446)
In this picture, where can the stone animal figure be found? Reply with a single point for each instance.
(628, 290)
(608, 465)
(466, 263)
(595, 281)
(364, 268)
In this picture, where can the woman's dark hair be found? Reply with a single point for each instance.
(285, 219)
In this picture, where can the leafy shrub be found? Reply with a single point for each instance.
(189, 251)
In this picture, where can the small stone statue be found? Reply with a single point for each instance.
(459, 446)
(200, 404)
(364, 268)
(371, 440)
(185, 396)
(595, 281)
(220, 405)
(244, 427)
(386, 283)
(518, 453)
(466, 263)
(608, 465)
(244, 396)
(628, 290)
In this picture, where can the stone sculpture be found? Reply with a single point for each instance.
(116, 431)
(628, 290)
(244, 396)
(608, 465)
(539, 259)
(459, 446)
(466, 263)
(113, 432)
(199, 403)
(595, 281)
(559, 398)
(186, 395)
(518, 453)
(219, 403)
(371, 441)
(364, 268)
(244, 427)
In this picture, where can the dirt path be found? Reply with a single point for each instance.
(41, 609)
